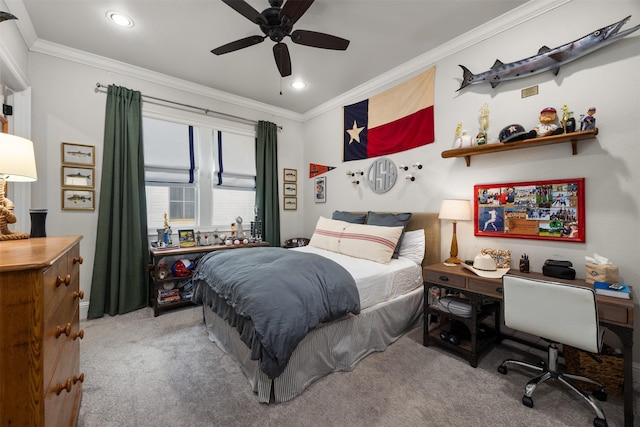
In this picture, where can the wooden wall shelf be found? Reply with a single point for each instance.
(477, 150)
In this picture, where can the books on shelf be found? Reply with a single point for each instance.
(616, 290)
(168, 296)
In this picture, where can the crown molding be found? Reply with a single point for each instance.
(509, 20)
(110, 65)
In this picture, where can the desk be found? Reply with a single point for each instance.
(614, 313)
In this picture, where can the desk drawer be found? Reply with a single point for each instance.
(487, 288)
(445, 279)
(610, 313)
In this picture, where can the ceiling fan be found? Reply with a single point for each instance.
(276, 22)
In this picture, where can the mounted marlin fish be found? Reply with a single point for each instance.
(548, 59)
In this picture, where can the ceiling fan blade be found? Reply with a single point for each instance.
(283, 60)
(238, 44)
(294, 9)
(321, 40)
(246, 10)
(5, 16)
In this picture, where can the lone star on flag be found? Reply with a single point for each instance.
(354, 132)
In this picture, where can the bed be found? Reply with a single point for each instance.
(338, 345)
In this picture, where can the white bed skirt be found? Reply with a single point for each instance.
(332, 347)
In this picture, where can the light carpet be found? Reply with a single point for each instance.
(142, 370)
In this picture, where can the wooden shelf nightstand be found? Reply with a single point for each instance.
(483, 297)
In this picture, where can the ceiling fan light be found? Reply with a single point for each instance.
(120, 19)
(298, 84)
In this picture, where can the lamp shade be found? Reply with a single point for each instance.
(456, 210)
(17, 159)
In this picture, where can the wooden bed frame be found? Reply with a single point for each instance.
(335, 346)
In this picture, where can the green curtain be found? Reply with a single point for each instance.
(267, 198)
(120, 278)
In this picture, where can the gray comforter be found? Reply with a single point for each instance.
(274, 297)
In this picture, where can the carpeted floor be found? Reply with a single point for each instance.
(164, 371)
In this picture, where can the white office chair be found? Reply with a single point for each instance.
(561, 314)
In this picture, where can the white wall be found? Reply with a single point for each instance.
(67, 108)
(606, 79)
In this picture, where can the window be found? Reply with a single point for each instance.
(201, 177)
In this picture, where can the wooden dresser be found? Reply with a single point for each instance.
(40, 378)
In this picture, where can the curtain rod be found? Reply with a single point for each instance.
(205, 111)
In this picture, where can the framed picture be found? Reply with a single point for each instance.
(73, 176)
(290, 189)
(187, 238)
(78, 154)
(79, 200)
(290, 175)
(545, 210)
(290, 203)
(320, 189)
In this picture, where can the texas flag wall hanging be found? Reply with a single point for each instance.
(316, 169)
(396, 120)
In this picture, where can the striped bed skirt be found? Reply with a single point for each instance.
(332, 347)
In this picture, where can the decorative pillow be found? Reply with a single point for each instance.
(390, 220)
(374, 243)
(413, 245)
(353, 218)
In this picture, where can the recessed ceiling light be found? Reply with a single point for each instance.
(298, 84)
(120, 19)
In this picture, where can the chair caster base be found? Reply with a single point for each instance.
(601, 395)
(528, 401)
(599, 422)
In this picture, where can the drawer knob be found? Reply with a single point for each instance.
(66, 330)
(78, 259)
(63, 281)
(77, 378)
(79, 334)
(444, 278)
(79, 295)
(66, 386)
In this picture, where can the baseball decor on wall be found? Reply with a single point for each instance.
(547, 210)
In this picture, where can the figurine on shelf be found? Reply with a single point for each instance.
(167, 230)
(198, 238)
(548, 126)
(588, 122)
(568, 121)
(481, 138)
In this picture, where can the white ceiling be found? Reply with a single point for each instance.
(175, 37)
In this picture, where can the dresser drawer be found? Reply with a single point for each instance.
(60, 403)
(65, 317)
(54, 283)
(444, 279)
(487, 288)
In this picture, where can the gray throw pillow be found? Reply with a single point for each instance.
(390, 220)
(354, 218)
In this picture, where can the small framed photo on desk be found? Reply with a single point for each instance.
(187, 238)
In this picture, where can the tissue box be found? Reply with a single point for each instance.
(601, 273)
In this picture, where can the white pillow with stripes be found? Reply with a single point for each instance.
(371, 242)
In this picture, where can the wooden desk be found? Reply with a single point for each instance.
(614, 313)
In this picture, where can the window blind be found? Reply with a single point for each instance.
(235, 161)
(168, 152)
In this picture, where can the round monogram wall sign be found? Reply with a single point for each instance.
(382, 175)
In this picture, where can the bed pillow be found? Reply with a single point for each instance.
(371, 242)
(390, 220)
(354, 218)
(413, 245)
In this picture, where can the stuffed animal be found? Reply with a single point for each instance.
(548, 126)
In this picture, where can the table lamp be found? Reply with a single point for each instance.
(17, 163)
(456, 210)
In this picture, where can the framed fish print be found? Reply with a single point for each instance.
(544, 210)
(77, 177)
(77, 199)
(290, 189)
(290, 175)
(290, 203)
(78, 154)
